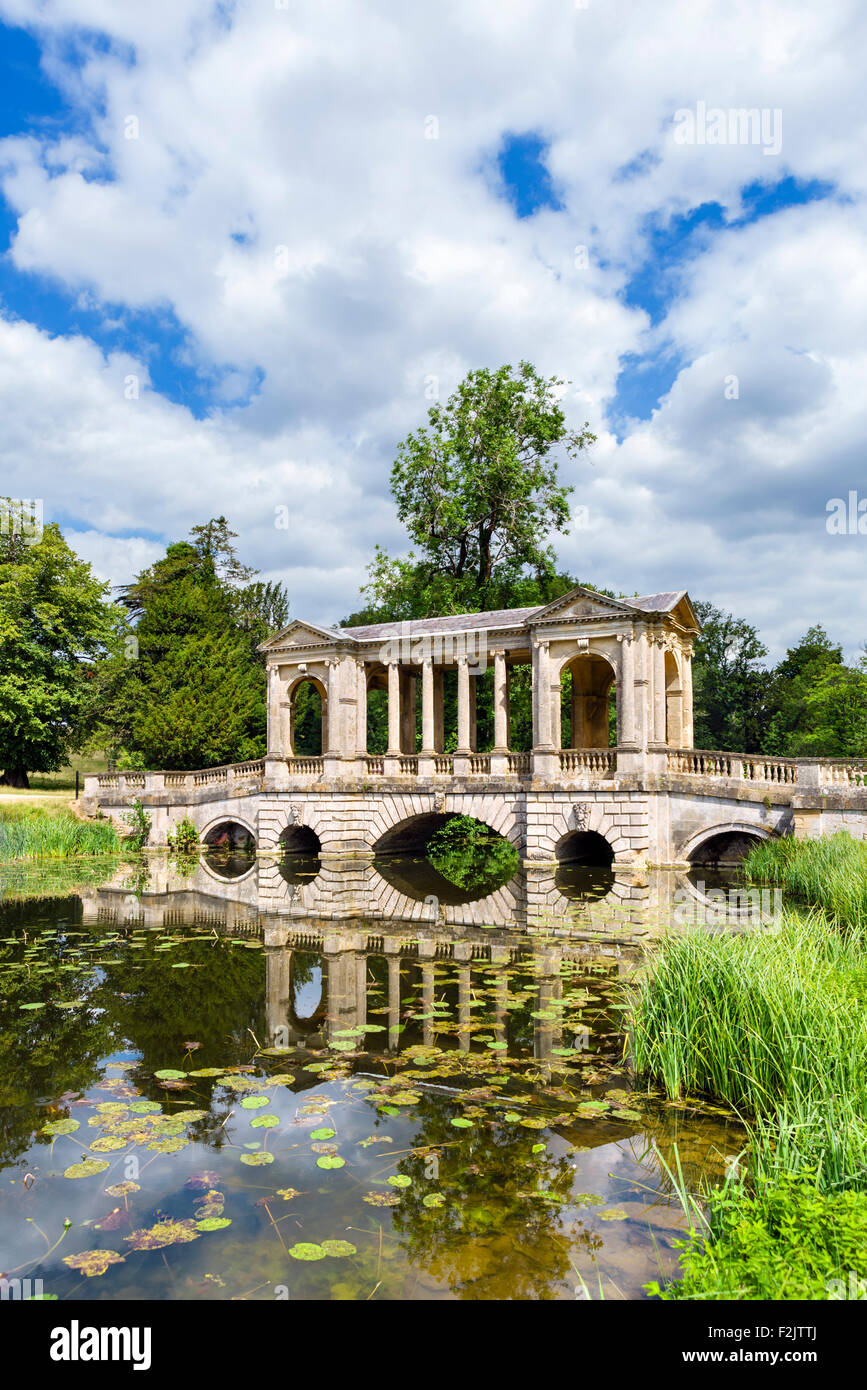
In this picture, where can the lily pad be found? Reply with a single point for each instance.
(461, 1122)
(213, 1223)
(338, 1248)
(254, 1102)
(162, 1234)
(264, 1122)
(399, 1180)
(121, 1189)
(613, 1214)
(170, 1074)
(322, 1133)
(330, 1161)
(257, 1160)
(434, 1199)
(87, 1168)
(93, 1262)
(305, 1250)
(55, 1127)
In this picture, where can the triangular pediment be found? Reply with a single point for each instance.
(302, 634)
(583, 603)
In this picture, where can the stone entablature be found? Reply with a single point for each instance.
(643, 646)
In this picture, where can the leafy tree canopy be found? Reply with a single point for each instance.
(56, 621)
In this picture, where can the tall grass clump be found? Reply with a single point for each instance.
(774, 1025)
(830, 872)
(756, 1019)
(32, 833)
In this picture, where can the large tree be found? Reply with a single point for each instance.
(730, 684)
(56, 621)
(478, 487)
(792, 682)
(193, 694)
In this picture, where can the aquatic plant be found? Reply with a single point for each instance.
(33, 833)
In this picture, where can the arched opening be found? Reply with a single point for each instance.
(230, 835)
(588, 702)
(299, 839)
(410, 836)
(299, 862)
(585, 847)
(673, 702)
(308, 707)
(725, 848)
(230, 849)
(377, 711)
(451, 858)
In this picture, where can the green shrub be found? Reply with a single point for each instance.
(184, 837)
(785, 1240)
(139, 823)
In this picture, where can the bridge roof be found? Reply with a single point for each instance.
(456, 622)
(499, 618)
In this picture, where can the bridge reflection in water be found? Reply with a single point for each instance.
(330, 930)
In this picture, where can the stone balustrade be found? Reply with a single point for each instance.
(559, 766)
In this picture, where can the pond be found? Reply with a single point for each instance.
(229, 1080)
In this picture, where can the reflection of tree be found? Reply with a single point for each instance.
(141, 1002)
(491, 1225)
(49, 1051)
(471, 855)
(158, 1007)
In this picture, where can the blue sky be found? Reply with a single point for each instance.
(289, 262)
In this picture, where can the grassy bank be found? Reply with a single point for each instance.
(830, 873)
(773, 1025)
(35, 833)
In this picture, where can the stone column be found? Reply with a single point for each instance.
(275, 730)
(545, 761)
(474, 737)
(361, 709)
(626, 689)
(333, 731)
(499, 759)
(659, 690)
(393, 709)
(427, 706)
(686, 685)
(464, 746)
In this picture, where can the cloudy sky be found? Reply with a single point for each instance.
(244, 242)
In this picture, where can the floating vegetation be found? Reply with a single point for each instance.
(460, 1106)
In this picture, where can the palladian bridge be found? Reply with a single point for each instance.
(601, 690)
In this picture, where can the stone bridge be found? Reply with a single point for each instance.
(610, 776)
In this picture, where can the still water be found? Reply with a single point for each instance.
(240, 1079)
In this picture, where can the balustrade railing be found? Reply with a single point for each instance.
(518, 763)
(305, 767)
(479, 763)
(598, 760)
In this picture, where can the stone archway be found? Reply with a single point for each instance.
(305, 727)
(723, 844)
(585, 700)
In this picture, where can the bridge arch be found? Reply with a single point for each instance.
(723, 843)
(393, 813)
(209, 832)
(584, 847)
(552, 841)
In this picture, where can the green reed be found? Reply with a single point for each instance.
(33, 833)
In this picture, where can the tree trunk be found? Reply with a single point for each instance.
(14, 777)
